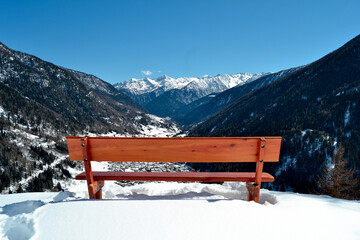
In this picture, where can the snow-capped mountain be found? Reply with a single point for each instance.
(147, 85)
(146, 89)
(166, 96)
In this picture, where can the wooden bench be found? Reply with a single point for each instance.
(231, 149)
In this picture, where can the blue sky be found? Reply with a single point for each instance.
(119, 40)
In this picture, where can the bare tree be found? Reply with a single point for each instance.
(339, 181)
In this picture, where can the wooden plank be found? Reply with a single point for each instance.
(178, 176)
(241, 149)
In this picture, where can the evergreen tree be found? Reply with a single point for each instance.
(20, 190)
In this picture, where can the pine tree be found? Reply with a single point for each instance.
(20, 190)
(58, 187)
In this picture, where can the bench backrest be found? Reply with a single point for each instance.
(214, 149)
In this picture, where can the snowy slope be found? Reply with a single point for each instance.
(26, 140)
(176, 211)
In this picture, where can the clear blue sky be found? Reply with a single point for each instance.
(117, 40)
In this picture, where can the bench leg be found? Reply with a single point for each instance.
(95, 191)
(91, 192)
(254, 188)
(98, 195)
(253, 192)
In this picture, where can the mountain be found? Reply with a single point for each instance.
(166, 96)
(80, 98)
(205, 107)
(41, 102)
(316, 111)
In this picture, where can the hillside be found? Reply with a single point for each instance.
(106, 90)
(314, 109)
(41, 102)
(176, 211)
(80, 98)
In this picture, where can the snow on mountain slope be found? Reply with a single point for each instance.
(159, 85)
(55, 155)
(146, 89)
(166, 83)
(176, 211)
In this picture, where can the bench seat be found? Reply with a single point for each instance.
(177, 176)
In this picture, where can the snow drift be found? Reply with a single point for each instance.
(176, 211)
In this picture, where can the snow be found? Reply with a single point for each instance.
(339, 93)
(347, 116)
(287, 163)
(176, 211)
(154, 130)
(157, 127)
(3, 111)
(303, 133)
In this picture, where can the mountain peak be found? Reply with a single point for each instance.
(163, 77)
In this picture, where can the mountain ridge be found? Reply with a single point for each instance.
(315, 109)
(136, 88)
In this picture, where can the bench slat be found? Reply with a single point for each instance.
(236, 149)
(178, 176)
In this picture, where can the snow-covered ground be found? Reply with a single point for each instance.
(176, 211)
